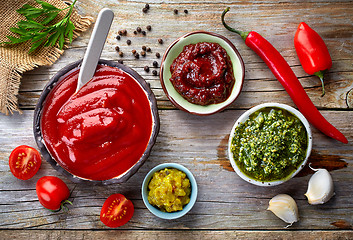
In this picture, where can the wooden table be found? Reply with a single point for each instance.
(227, 207)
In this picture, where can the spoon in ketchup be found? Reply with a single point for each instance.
(95, 46)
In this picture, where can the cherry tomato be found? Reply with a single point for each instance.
(116, 211)
(24, 162)
(52, 192)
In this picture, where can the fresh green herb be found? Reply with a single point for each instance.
(40, 31)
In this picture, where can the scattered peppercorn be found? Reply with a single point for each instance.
(144, 48)
(154, 72)
(135, 32)
(143, 33)
(175, 11)
(148, 49)
(124, 32)
(117, 48)
(149, 27)
(147, 6)
(118, 37)
(144, 10)
(121, 54)
(160, 40)
(143, 53)
(138, 29)
(128, 42)
(186, 11)
(120, 32)
(155, 63)
(158, 55)
(120, 61)
(133, 51)
(137, 56)
(146, 68)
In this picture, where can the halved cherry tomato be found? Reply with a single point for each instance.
(24, 162)
(52, 192)
(116, 211)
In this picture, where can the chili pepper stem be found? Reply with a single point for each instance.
(320, 74)
(243, 35)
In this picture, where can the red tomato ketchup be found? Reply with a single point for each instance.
(101, 131)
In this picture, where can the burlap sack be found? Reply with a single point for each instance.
(15, 60)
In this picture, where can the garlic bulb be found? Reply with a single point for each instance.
(284, 207)
(320, 187)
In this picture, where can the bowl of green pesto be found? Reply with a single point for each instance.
(269, 144)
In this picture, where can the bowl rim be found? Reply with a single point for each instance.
(245, 116)
(187, 207)
(41, 102)
(222, 105)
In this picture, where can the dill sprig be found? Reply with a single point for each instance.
(42, 32)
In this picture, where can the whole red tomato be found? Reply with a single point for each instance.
(52, 192)
(24, 162)
(116, 211)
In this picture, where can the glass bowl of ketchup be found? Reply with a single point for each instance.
(102, 133)
(202, 73)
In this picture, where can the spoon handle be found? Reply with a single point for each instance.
(95, 46)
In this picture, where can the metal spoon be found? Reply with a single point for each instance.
(95, 47)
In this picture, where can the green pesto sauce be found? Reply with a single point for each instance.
(270, 144)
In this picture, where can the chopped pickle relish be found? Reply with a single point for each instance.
(270, 145)
(169, 190)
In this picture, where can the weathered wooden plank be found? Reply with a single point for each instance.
(200, 144)
(152, 234)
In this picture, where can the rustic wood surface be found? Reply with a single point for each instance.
(227, 207)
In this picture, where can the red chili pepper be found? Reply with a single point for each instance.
(312, 52)
(287, 78)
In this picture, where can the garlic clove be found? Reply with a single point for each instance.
(284, 207)
(320, 187)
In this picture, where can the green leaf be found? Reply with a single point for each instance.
(52, 39)
(30, 24)
(50, 17)
(36, 45)
(69, 32)
(14, 40)
(61, 41)
(47, 6)
(20, 31)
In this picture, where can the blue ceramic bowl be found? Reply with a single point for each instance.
(155, 210)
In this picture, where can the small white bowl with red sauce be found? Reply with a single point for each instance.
(197, 92)
(97, 134)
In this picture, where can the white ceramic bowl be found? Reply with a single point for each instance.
(244, 117)
(176, 48)
(172, 215)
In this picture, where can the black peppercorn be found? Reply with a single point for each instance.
(146, 68)
(186, 11)
(158, 55)
(137, 56)
(148, 49)
(118, 37)
(124, 32)
(155, 63)
(128, 42)
(149, 27)
(144, 48)
(117, 48)
(133, 51)
(143, 33)
(138, 29)
(175, 11)
(144, 10)
(147, 6)
(154, 72)
(121, 54)
(143, 53)
(160, 40)
(120, 61)
(135, 32)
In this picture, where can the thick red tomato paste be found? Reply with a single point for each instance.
(203, 73)
(101, 131)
